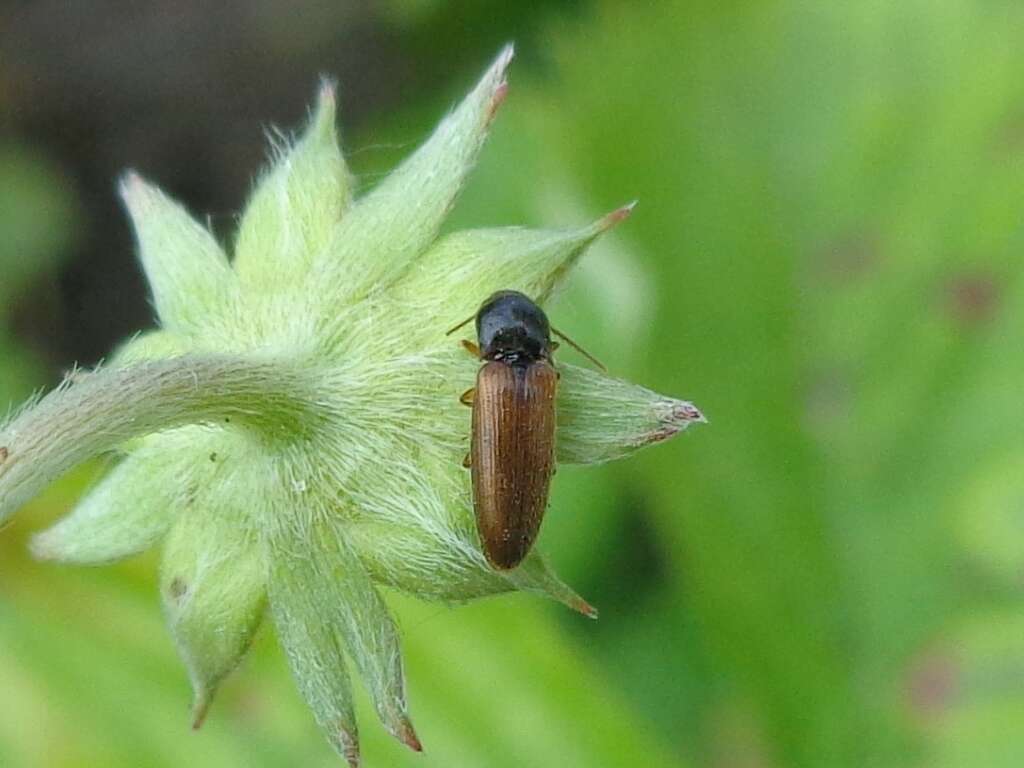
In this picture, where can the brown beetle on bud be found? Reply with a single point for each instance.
(292, 433)
(513, 439)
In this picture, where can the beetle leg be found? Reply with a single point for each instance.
(554, 346)
(470, 347)
(467, 461)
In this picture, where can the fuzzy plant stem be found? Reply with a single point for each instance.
(96, 411)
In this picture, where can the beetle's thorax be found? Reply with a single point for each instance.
(513, 329)
(516, 347)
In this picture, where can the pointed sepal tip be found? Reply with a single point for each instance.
(200, 707)
(616, 217)
(402, 730)
(348, 741)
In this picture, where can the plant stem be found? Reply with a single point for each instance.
(94, 412)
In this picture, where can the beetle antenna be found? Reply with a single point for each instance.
(578, 348)
(464, 322)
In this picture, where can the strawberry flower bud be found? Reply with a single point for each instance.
(292, 432)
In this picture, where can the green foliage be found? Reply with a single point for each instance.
(831, 200)
(826, 257)
(37, 220)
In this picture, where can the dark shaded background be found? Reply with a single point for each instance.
(184, 92)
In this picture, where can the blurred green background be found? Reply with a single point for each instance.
(827, 259)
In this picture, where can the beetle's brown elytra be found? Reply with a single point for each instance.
(512, 451)
(512, 456)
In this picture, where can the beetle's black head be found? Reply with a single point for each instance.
(510, 327)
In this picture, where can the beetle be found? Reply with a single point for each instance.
(512, 447)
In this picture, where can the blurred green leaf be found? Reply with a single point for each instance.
(830, 209)
(37, 220)
(963, 692)
(37, 217)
